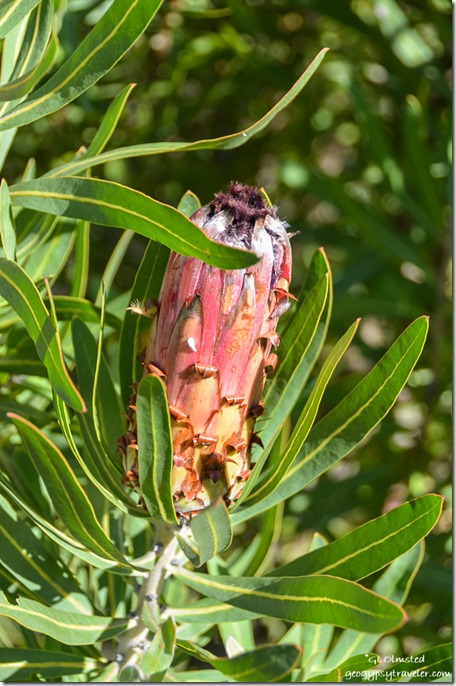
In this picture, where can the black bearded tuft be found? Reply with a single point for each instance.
(246, 205)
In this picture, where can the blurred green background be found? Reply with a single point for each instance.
(359, 164)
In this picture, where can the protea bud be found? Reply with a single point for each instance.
(211, 343)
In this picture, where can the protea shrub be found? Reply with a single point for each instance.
(211, 341)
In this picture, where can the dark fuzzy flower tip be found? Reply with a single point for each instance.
(246, 204)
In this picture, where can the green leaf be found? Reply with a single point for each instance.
(394, 584)
(7, 229)
(23, 296)
(13, 11)
(106, 467)
(21, 664)
(267, 664)
(109, 673)
(155, 451)
(206, 610)
(211, 676)
(237, 637)
(313, 599)
(315, 638)
(68, 307)
(104, 416)
(67, 496)
(189, 203)
(146, 287)
(35, 57)
(51, 258)
(371, 546)
(68, 627)
(354, 417)
(228, 142)
(18, 88)
(33, 567)
(333, 677)
(424, 666)
(115, 261)
(277, 472)
(357, 668)
(106, 411)
(81, 260)
(109, 121)
(101, 477)
(111, 204)
(33, 231)
(61, 538)
(254, 558)
(301, 344)
(212, 531)
(159, 655)
(109, 40)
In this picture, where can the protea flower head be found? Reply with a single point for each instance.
(211, 342)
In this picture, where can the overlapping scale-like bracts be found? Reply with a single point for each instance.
(211, 342)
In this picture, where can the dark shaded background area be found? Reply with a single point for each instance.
(359, 164)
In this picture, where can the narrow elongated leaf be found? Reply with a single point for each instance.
(23, 296)
(424, 666)
(106, 410)
(228, 142)
(266, 664)
(61, 538)
(7, 229)
(18, 88)
(33, 231)
(67, 307)
(155, 452)
(105, 467)
(206, 610)
(20, 664)
(351, 670)
(104, 418)
(13, 11)
(81, 260)
(212, 531)
(315, 638)
(160, 653)
(112, 36)
(26, 558)
(109, 121)
(254, 558)
(146, 287)
(68, 627)
(277, 472)
(68, 498)
(103, 479)
(394, 584)
(354, 417)
(200, 676)
(114, 262)
(313, 599)
(373, 545)
(333, 677)
(108, 674)
(35, 57)
(110, 204)
(50, 258)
